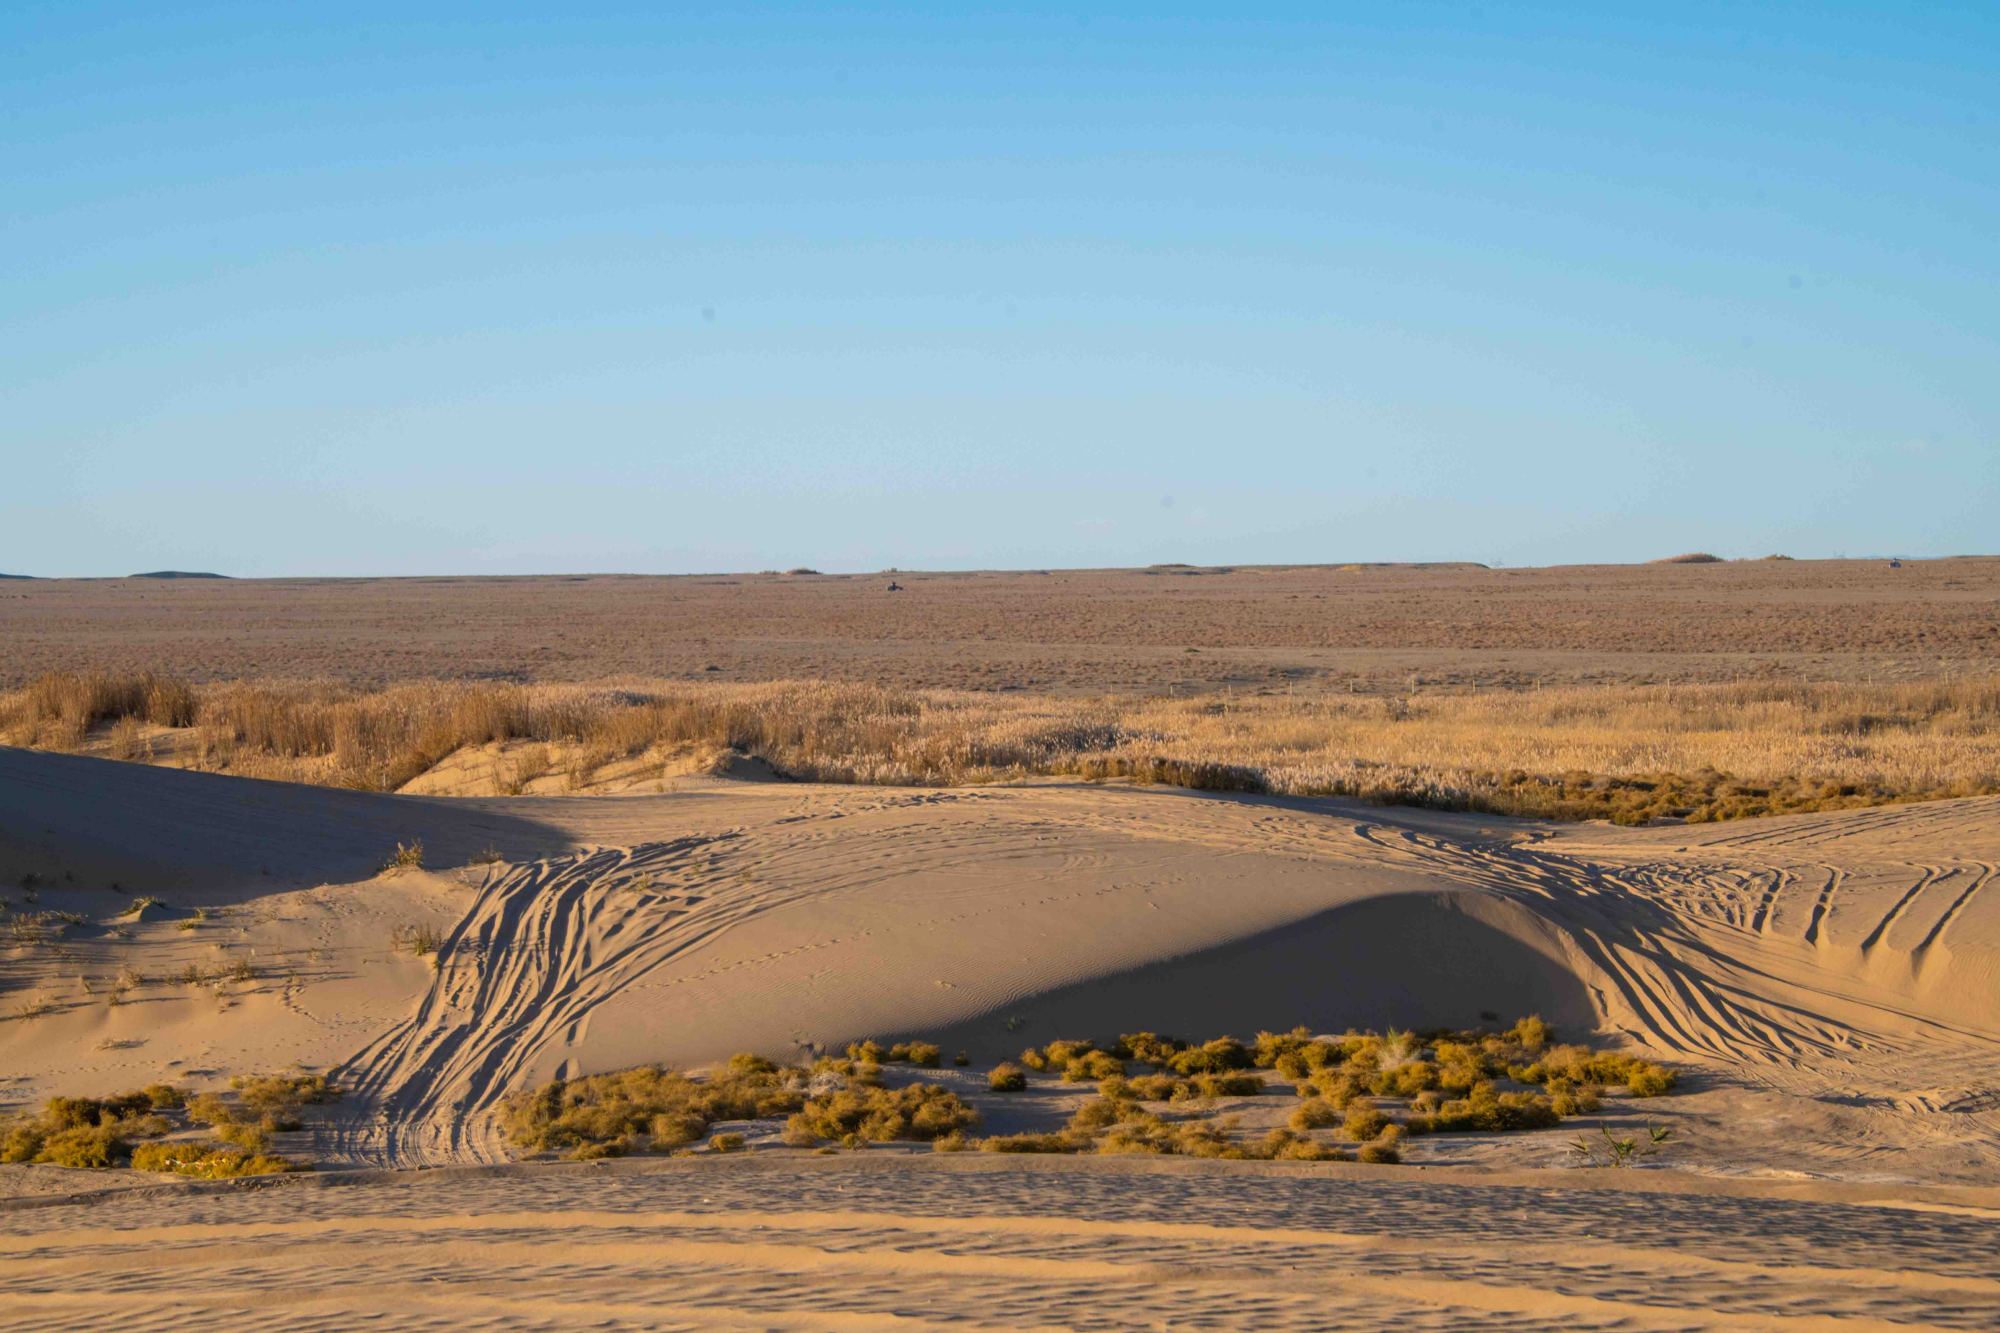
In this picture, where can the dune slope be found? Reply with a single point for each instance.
(1832, 979)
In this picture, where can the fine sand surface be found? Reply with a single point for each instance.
(1828, 984)
(879, 1241)
(1366, 627)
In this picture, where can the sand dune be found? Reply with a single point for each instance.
(1836, 975)
(1828, 985)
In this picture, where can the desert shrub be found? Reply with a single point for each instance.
(1059, 1054)
(1146, 1048)
(1206, 1086)
(245, 1134)
(1531, 1033)
(283, 1094)
(208, 1161)
(1483, 1109)
(1027, 1143)
(952, 1142)
(1570, 1099)
(1103, 1112)
(1380, 1154)
(1405, 1080)
(1364, 1122)
(1153, 1087)
(1133, 1140)
(920, 1053)
(726, 1143)
(1091, 1066)
(92, 1146)
(920, 1111)
(83, 1131)
(408, 855)
(1270, 1047)
(1284, 1145)
(422, 939)
(1007, 1078)
(1338, 1088)
(666, 1108)
(1580, 1065)
(1313, 1113)
(1215, 1057)
(1649, 1080)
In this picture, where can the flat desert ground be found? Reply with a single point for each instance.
(1826, 985)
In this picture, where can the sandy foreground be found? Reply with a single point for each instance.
(1828, 984)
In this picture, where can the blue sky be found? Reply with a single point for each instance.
(377, 290)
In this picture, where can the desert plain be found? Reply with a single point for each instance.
(436, 854)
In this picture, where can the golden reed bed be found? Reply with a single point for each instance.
(1625, 752)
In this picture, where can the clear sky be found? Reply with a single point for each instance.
(374, 288)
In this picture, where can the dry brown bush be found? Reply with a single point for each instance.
(1627, 753)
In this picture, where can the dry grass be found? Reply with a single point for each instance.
(1628, 753)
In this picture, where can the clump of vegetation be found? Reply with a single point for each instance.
(1359, 1093)
(407, 856)
(133, 1128)
(209, 1161)
(261, 1106)
(1611, 1150)
(422, 939)
(921, 1053)
(919, 1112)
(649, 1107)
